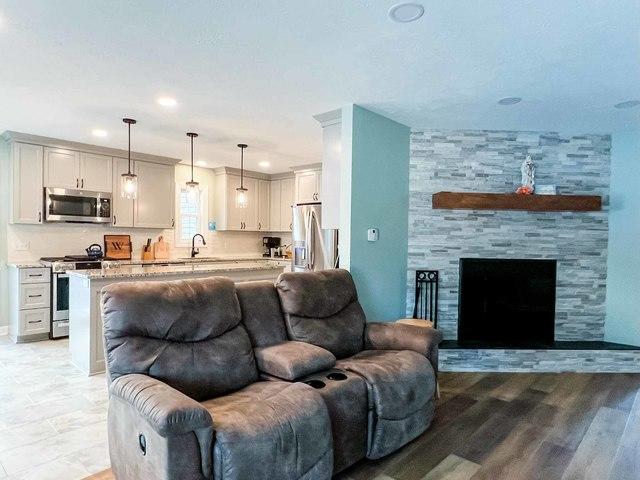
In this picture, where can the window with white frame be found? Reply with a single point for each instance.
(191, 215)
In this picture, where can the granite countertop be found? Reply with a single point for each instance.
(144, 271)
(197, 260)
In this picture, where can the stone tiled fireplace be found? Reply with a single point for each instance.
(489, 161)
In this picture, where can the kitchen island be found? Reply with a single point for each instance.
(85, 321)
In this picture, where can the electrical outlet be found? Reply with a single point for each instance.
(21, 246)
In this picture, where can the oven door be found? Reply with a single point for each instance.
(60, 306)
(63, 205)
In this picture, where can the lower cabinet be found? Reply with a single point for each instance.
(29, 303)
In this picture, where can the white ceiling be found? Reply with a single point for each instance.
(256, 71)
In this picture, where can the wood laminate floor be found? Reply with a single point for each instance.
(505, 426)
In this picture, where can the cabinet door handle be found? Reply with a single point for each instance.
(259, 226)
(173, 222)
(114, 219)
(77, 182)
(291, 226)
(39, 217)
(35, 296)
(35, 275)
(34, 321)
(82, 183)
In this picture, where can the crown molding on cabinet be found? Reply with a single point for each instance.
(329, 118)
(252, 174)
(10, 136)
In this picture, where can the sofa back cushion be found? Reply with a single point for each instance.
(186, 333)
(261, 313)
(322, 308)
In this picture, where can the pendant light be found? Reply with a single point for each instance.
(242, 197)
(129, 181)
(193, 187)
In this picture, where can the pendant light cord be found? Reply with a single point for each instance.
(129, 149)
(191, 158)
(242, 167)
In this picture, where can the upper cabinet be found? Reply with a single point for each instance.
(76, 170)
(256, 216)
(307, 186)
(95, 172)
(154, 204)
(26, 190)
(61, 168)
(281, 199)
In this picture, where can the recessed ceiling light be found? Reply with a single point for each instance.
(167, 101)
(264, 164)
(509, 101)
(627, 104)
(98, 132)
(406, 12)
(201, 163)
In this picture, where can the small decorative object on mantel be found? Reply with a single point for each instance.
(528, 170)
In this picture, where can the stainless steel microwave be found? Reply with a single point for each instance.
(80, 206)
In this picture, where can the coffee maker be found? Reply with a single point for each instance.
(271, 246)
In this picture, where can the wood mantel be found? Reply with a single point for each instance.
(514, 201)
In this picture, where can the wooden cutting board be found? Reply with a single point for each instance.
(161, 249)
(117, 247)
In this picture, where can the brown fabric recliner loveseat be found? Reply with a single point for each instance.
(209, 381)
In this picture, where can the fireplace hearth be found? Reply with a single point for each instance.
(506, 302)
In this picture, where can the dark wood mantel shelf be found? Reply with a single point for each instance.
(513, 201)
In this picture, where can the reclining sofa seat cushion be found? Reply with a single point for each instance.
(322, 308)
(185, 333)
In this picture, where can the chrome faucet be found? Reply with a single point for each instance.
(195, 251)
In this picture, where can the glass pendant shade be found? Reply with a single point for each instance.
(193, 191)
(242, 197)
(129, 181)
(129, 186)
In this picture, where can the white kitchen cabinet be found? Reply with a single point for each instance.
(61, 168)
(76, 170)
(281, 199)
(154, 204)
(264, 207)
(29, 304)
(275, 213)
(26, 188)
(286, 202)
(307, 186)
(256, 216)
(121, 208)
(95, 172)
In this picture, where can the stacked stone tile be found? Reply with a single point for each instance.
(489, 161)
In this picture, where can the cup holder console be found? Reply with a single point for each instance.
(316, 383)
(337, 376)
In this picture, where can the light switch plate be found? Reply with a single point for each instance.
(21, 246)
(372, 235)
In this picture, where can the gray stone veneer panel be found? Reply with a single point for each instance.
(489, 161)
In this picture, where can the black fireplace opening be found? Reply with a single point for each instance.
(507, 302)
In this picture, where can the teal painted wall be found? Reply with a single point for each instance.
(379, 182)
(622, 323)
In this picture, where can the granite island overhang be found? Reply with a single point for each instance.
(85, 320)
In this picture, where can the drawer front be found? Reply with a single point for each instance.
(34, 295)
(35, 321)
(35, 275)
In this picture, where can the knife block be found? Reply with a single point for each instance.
(148, 254)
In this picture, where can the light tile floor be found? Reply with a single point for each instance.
(52, 417)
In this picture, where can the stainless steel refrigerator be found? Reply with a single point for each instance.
(314, 248)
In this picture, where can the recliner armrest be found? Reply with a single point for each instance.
(398, 336)
(168, 411)
(292, 360)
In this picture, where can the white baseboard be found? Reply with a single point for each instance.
(4, 330)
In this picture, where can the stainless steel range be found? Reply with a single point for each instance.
(60, 288)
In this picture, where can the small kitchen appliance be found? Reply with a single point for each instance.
(271, 246)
